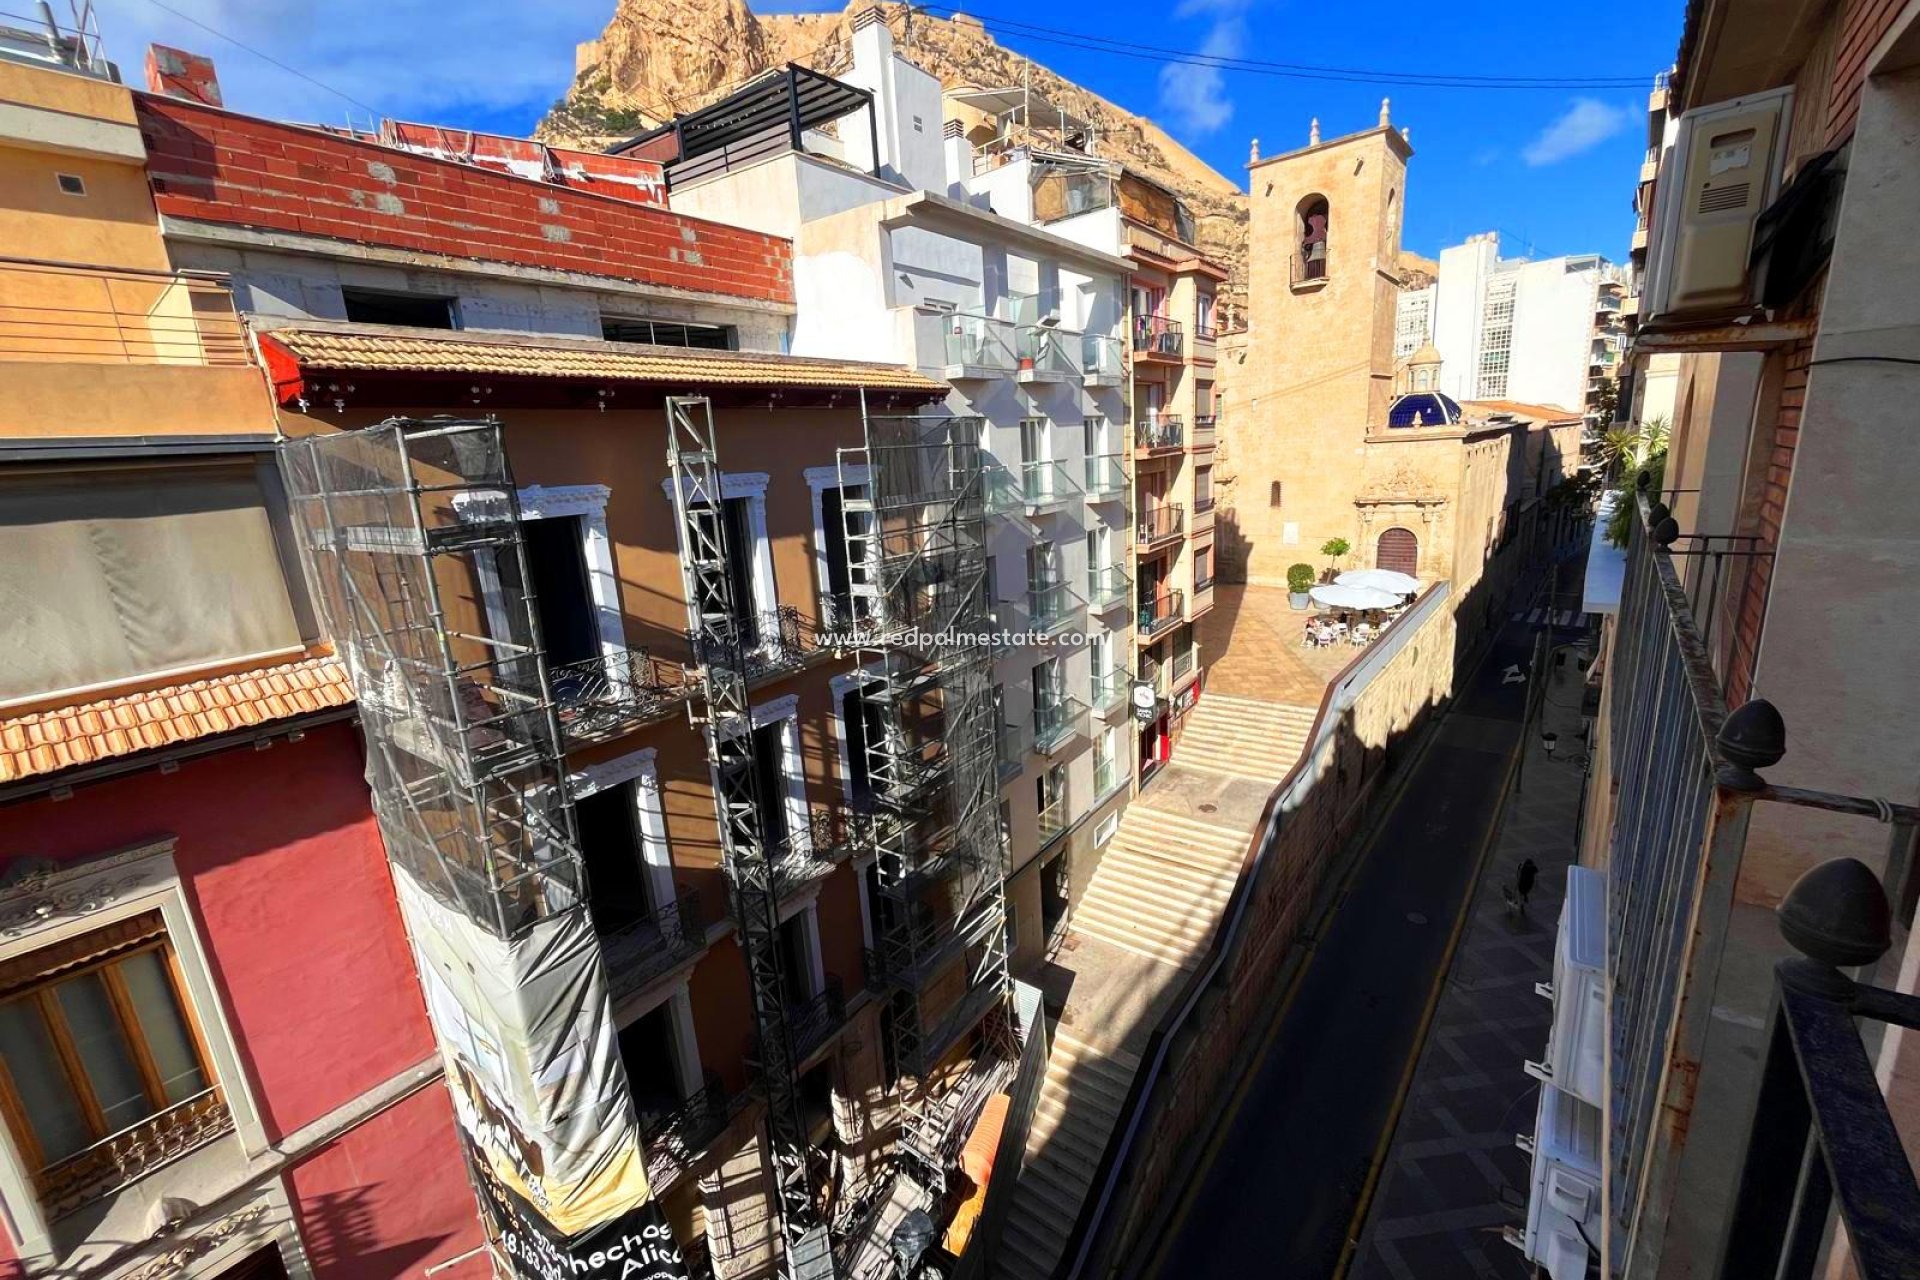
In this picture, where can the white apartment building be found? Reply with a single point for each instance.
(1535, 331)
(895, 261)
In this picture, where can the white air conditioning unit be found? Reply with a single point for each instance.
(1576, 1047)
(1563, 1199)
(1723, 168)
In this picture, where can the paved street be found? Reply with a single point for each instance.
(1280, 1193)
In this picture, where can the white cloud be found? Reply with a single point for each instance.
(1586, 124)
(418, 59)
(1195, 96)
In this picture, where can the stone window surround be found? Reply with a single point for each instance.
(589, 501)
(819, 480)
(751, 485)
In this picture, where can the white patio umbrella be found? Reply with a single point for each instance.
(1340, 596)
(1380, 580)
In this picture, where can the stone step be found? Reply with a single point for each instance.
(1180, 956)
(1150, 875)
(1147, 817)
(1142, 915)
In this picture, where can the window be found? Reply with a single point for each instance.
(669, 333)
(1202, 568)
(415, 310)
(1273, 494)
(96, 1037)
(557, 572)
(1203, 488)
(71, 184)
(1050, 800)
(846, 537)
(1046, 686)
(1205, 325)
(1496, 338)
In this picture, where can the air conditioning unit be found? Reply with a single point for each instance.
(1723, 168)
(1563, 1199)
(1576, 1047)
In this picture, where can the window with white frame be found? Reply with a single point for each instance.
(1496, 338)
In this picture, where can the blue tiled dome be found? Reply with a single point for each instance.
(1423, 409)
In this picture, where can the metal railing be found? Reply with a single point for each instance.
(1159, 431)
(1158, 612)
(1158, 336)
(95, 315)
(1052, 605)
(599, 697)
(1049, 349)
(1206, 428)
(981, 342)
(123, 1158)
(1056, 724)
(1108, 586)
(810, 1022)
(1684, 780)
(638, 951)
(674, 1141)
(1106, 476)
(1101, 356)
(1167, 520)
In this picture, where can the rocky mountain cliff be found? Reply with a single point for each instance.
(658, 58)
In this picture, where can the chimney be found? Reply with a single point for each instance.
(174, 73)
(872, 41)
(958, 153)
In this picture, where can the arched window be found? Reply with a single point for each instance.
(1398, 550)
(1313, 218)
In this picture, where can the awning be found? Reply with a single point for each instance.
(1333, 597)
(303, 362)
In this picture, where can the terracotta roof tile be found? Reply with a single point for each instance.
(42, 742)
(358, 351)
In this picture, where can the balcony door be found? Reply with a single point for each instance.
(608, 822)
(557, 573)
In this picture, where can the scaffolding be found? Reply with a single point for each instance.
(914, 513)
(723, 645)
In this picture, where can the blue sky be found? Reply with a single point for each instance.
(1550, 169)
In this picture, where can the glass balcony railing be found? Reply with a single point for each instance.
(1161, 431)
(1109, 690)
(1158, 612)
(1047, 349)
(1052, 605)
(1106, 476)
(1054, 819)
(1100, 357)
(1158, 336)
(1108, 586)
(1168, 520)
(1055, 724)
(1030, 484)
(980, 342)
(1013, 750)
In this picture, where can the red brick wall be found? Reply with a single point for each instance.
(218, 166)
(1758, 578)
(1862, 25)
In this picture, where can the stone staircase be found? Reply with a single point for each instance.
(1079, 1103)
(1162, 884)
(1243, 737)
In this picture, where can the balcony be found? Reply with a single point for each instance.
(1110, 691)
(606, 696)
(1158, 338)
(1106, 477)
(163, 351)
(1108, 587)
(1054, 820)
(798, 864)
(123, 1158)
(1030, 488)
(1057, 725)
(1205, 429)
(1159, 613)
(674, 1141)
(1048, 353)
(1161, 433)
(766, 645)
(1650, 164)
(1102, 362)
(812, 1022)
(638, 951)
(1159, 524)
(1054, 607)
(979, 347)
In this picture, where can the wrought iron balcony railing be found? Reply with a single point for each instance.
(1160, 431)
(674, 1141)
(1158, 523)
(602, 696)
(1101, 357)
(810, 1022)
(1159, 336)
(639, 950)
(980, 342)
(121, 1159)
(1159, 612)
(1108, 586)
(1048, 349)
(768, 644)
(1057, 724)
(1106, 476)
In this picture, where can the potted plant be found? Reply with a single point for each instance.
(1299, 583)
(1333, 549)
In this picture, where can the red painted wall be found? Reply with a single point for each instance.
(390, 1198)
(217, 166)
(281, 862)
